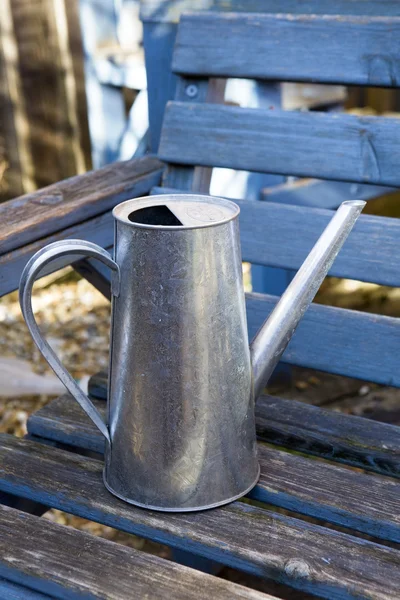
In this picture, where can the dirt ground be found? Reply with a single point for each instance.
(75, 319)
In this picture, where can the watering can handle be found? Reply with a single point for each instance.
(32, 268)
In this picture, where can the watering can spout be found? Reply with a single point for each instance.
(275, 334)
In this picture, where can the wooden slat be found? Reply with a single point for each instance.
(329, 434)
(169, 11)
(13, 591)
(204, 90)
(339, 341)
(366, 503)
(34, 216)
(336, 494)
(282, 236)
(305, 556)
(336, 340)
(310, 144)
(99, 230)
(318, 48)
(65, 563)
(322, 194)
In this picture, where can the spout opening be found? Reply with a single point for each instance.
(355, 203)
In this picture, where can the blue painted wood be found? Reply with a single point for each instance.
(270, 279)
(96, 273)
(158, 38)
(331, 562)
(323, 145)
(99, 230)
(13, 591)
(340, 49)
(158, 42)
(30, 222)
(33, 216)
(281, 235)
(310, 429)
(70, 565)
(344, 342)
(323, 194)
(331, 493)
(329, 434)
(336, 340)
(161, 11)
(255, 94)
(198, 91)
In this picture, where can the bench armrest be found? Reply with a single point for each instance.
(78, 207)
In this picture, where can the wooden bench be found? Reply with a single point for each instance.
(314, 524)
(160, 24)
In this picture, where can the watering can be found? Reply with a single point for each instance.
(180, 432)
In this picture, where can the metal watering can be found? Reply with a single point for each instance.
(183, 379)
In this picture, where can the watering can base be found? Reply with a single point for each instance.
(184, 509)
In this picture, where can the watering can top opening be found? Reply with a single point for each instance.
(176, 211)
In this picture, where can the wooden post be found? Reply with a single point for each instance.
(44, 118)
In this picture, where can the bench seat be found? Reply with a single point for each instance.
(55, 561)
(256, 540)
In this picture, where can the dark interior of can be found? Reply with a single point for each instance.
(154, 215)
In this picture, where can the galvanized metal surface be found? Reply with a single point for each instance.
(180, 370)
(181, 430)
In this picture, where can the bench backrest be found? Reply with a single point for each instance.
(168, 11)
(198, 132)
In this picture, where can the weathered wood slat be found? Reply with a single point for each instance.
(97, 387)
(352, 440)
(335, 340)
(308, 557)
(322, 194)
(99, 230)
(66, 203)
(365, 503)
(13, 591)
(340, 49)
(187, 178)
(310, 144)
(329, 339)
(170, 10)
(329, 434)
(279, 235)
(65, 563)
(335, 494)
(339, 341)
